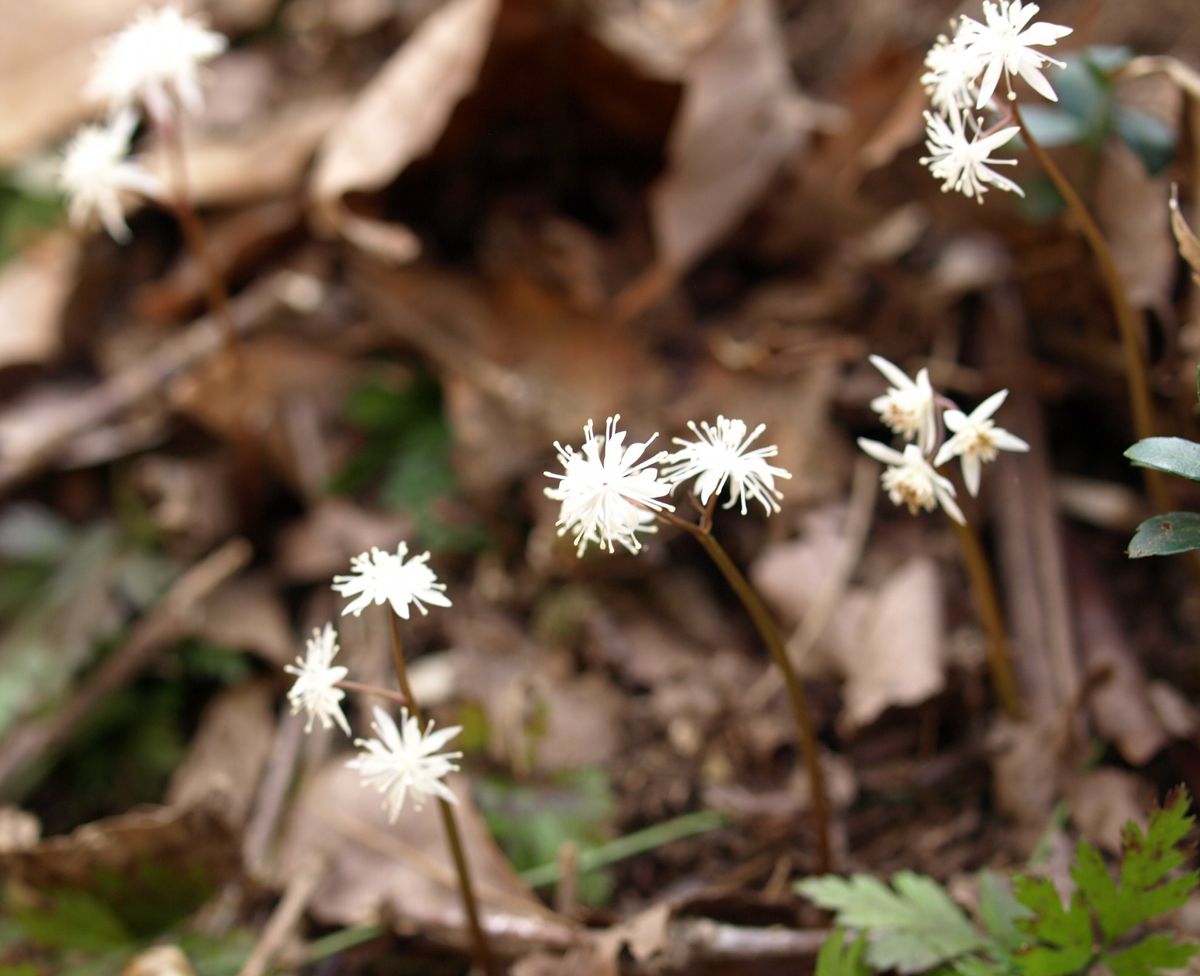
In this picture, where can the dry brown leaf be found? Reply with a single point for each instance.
(1103, 801)
(1129, 208)
(1027, 769)
(1185, 237)
(194, 842)
(402, 112)
(46, 55)
(228, 752)
(34, 288)
(403, 871)
(739, 120)
(900, 658)
(290, 396)
(268, 158)
(332, 531)
(249, 614)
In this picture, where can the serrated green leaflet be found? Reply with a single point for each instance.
(914, 927)
(1063, 934)
(839, 958)
(1149, 957)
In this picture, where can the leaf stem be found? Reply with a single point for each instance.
(801, 711)
(479, 942)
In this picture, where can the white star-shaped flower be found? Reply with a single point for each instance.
(977, 440)
(1005, 43)
(380, 577)
(910, 480)
(608, 491)
(950, 78)
(963, 164)
(156, 61)
(315, 689)
(405, 758)
(909, 407)
(721, 455)
(96, 173)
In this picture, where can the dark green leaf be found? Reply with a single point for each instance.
(1148, 136)
(1054, 126)
(74, 920)
(1173, 455)
(1149, 957)
(1166, 535)
(1064, 934)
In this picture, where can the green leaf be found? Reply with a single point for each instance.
(74, 920)
(836, 958)
(1064, 934)
(1151, 139)
(914, 927)
(1000, 912)
(1108, 903)
(1148, 859)
(1054, 126)
(1149, 957)
(1174, 455)
(1166, 535)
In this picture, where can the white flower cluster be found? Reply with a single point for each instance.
(153, 64)
(400, 758)
(609, 492)
(962, 72)
(909, 409)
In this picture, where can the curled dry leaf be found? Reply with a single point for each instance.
(1185, 237)
(195, 842)
(739, 120)
(403, 111)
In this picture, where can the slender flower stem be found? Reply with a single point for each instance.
(479, 942)
(998, 653)
(196, 240)
(1129, 323)
(769, 633)
(378, 692)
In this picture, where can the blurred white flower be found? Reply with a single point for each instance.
(96, 173)
(909, 407)
(721, 454)
(910, 480)
(1005, 43)
(380, 577)
(405, 758)
(977, 440)
(155, 60)
(950, 78)
(316, 678)
(964, 164)
(608, 491)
